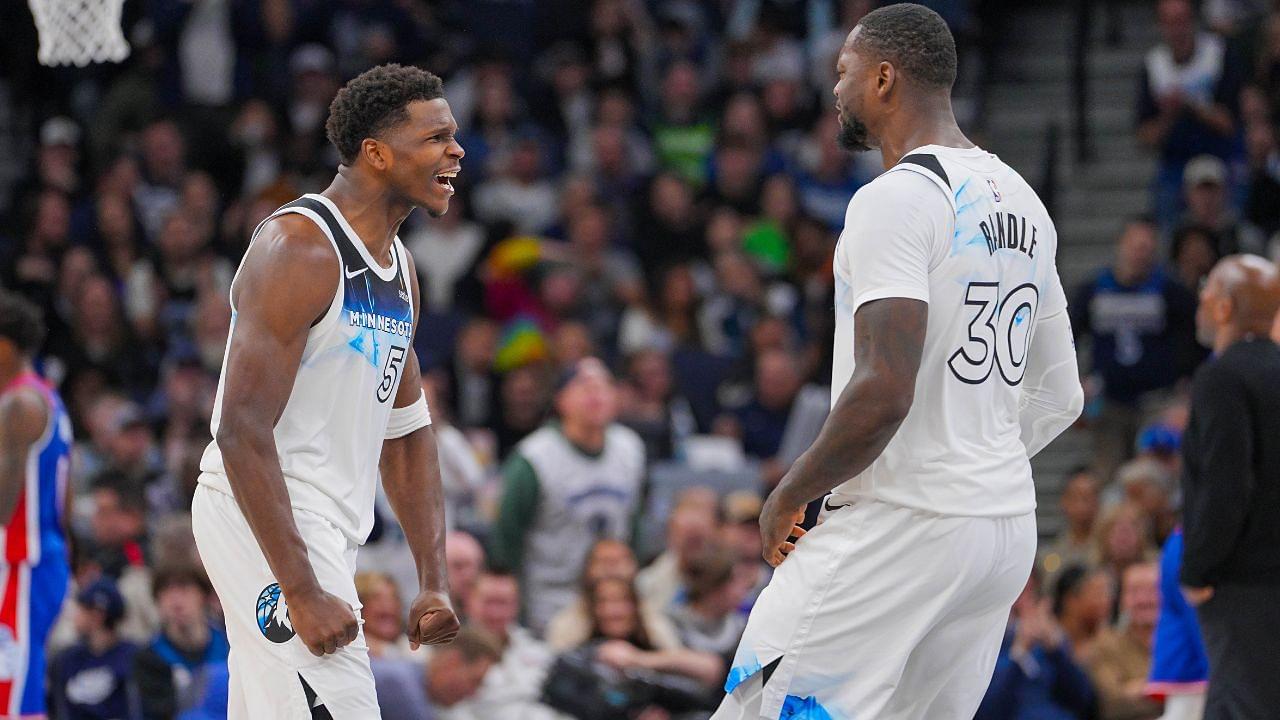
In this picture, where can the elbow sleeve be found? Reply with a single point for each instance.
(1052, 397)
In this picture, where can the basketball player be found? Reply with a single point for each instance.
(320, 393)
(35, 452)
(953, 365)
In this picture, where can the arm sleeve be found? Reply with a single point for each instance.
(892, 231)
(515, 513)
(1218, 482)
(1052, 398)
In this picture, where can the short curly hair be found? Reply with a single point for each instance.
(915, 39)
(21, 322)
(376, 100)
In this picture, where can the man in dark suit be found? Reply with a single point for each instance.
(1231, 487)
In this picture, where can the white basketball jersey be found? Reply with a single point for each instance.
(329, 437)
(962, 231)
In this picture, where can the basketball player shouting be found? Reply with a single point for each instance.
(319, 392)
(953, 365)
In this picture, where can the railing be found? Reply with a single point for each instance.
(1048, 190)
(1080, 80)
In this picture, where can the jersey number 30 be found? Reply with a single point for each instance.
(391, 372)
(999, 334)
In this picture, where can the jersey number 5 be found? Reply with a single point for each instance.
(999, 334)
(391, 372)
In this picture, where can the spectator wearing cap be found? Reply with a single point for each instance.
(90, 679)
(58, 159)
(1139, 322)
(1161, 443)
(1188, 103)
(575, 480)
(1074, 544)
(1121, 658)
(1206, 190)
(171, 673)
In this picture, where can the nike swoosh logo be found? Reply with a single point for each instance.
(353, 274)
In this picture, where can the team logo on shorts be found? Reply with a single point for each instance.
(273, 615)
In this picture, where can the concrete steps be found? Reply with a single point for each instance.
(1095, 198)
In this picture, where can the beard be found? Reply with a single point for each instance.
(853, 134)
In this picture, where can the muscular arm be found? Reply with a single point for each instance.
(23, 417)
(286, 283)
(888, 342)
(410, 469)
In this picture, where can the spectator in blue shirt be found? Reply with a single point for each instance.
(1035, 676)
(172, 672)
(90, 679)
(1141, 324)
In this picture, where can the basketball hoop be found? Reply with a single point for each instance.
(79, 32)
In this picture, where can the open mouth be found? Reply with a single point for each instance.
(446, 178)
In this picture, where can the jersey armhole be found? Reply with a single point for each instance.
(339, 293)
(402, 259)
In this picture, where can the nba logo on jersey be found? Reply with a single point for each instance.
(995, 191)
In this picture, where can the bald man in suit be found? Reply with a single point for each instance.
(1231, 489)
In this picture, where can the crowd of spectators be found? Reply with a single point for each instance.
(640, 247)
(1080, 640)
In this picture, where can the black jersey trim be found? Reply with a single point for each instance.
(930, 163)
(348, 255)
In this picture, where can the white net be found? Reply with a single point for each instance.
(79, 32)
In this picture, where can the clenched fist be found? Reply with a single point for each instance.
(324, 621)
(431, 620)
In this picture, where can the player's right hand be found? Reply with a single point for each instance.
(323, 621)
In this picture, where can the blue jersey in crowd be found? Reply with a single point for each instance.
(1179, 665)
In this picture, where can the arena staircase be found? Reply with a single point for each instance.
(1032, 92)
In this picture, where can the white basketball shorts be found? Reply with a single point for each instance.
(882, 612)
(273, 675)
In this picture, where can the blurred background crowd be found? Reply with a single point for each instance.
(653, 183)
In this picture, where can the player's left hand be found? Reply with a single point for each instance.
(431, 620)
(779, 529)
(1197, 596)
